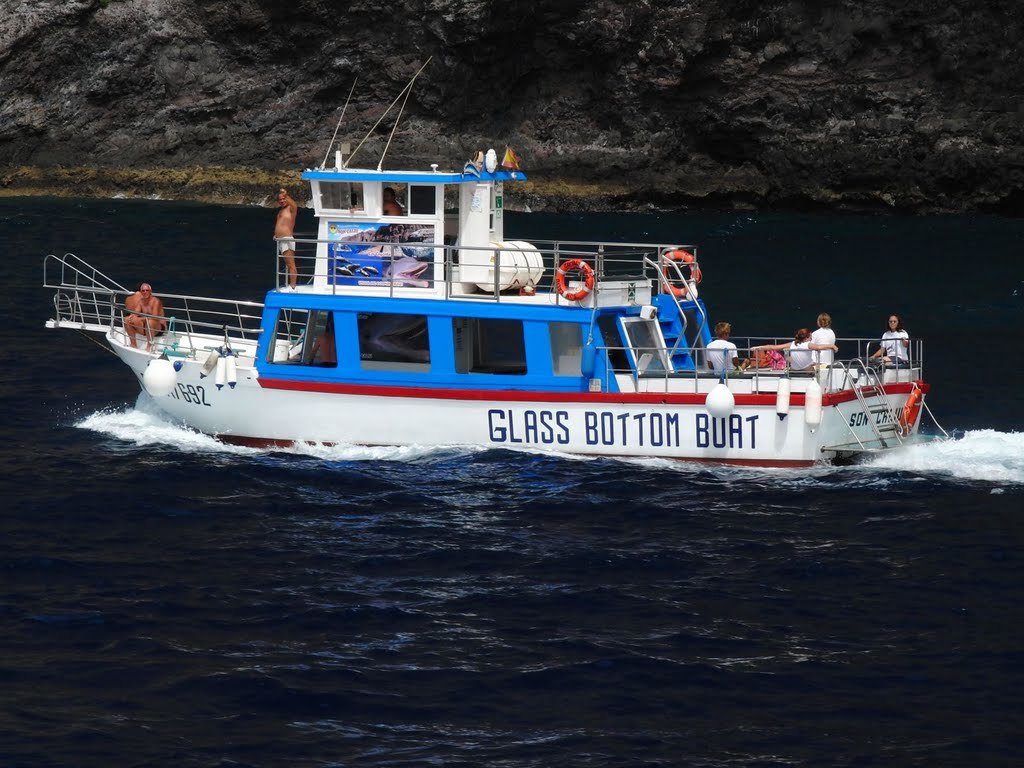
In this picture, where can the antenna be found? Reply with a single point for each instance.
(342, 117)
(404, 92)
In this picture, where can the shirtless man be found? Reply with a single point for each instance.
(391, 206)
(145, 304)
(284, 228)
(324, 350)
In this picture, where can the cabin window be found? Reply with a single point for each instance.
(647, 345)
(422, 200)
(390, 341)
(341, 195)
(566, 349)
(291, 343)
(488, 345)
(323, 351)
(401, 197)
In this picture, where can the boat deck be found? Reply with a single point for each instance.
(85, 299)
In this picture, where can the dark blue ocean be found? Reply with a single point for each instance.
(169, 601)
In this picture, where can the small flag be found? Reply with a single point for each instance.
(511, 160)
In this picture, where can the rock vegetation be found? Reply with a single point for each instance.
(912, 106)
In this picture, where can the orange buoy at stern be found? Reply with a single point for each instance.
(686, 258)
(577, 265)
(910, 412)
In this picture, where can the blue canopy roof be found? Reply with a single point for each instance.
(414, 177)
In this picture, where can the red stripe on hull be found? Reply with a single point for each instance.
(625, 398)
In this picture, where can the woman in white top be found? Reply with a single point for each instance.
(801, 350)
(895, 346)
(824, 335)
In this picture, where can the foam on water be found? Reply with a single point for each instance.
(983, 454)
(142, 428)
(146, 425)
(344, 452)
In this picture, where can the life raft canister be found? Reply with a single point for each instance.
(908, 416)
(687, 258)
(584, 269)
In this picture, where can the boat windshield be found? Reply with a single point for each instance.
(646, 345)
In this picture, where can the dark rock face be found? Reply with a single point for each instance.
(914, 106)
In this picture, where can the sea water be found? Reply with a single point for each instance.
(169, 600)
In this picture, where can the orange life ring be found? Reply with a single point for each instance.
(908, 416)
(588, 279)
(679, 291)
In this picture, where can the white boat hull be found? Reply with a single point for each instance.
(644, 424)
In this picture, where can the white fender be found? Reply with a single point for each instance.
(231, 374)
(222, 372)
(720, 401)
(160, 378)
(782, 398)
(210, 364)
(812, 404)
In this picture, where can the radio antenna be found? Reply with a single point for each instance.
(343, 109)
(404, 93)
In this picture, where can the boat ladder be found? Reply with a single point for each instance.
(663, 269)
(881, 416)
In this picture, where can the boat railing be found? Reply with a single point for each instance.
(86, 299)
(84, 296)
(850, 349)
(859, 371)
(511, 260)
(192, 320)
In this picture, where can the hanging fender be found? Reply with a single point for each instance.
(210, 364)
(221, 374)
(230, 372)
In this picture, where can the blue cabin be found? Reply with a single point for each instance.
(411, 275)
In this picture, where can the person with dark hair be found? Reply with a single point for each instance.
(801, 348)
(324, 348)
(146, 316)
(391, 206)
(895, 345)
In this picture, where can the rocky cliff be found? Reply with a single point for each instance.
(914, 106)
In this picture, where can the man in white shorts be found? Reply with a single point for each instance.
(284, 228)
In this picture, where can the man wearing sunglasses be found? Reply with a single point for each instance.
(146, 318)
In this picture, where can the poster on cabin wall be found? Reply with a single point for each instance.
(369, 253)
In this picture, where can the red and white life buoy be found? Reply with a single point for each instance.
(685, 257)
(908, 416)
(584, 269)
